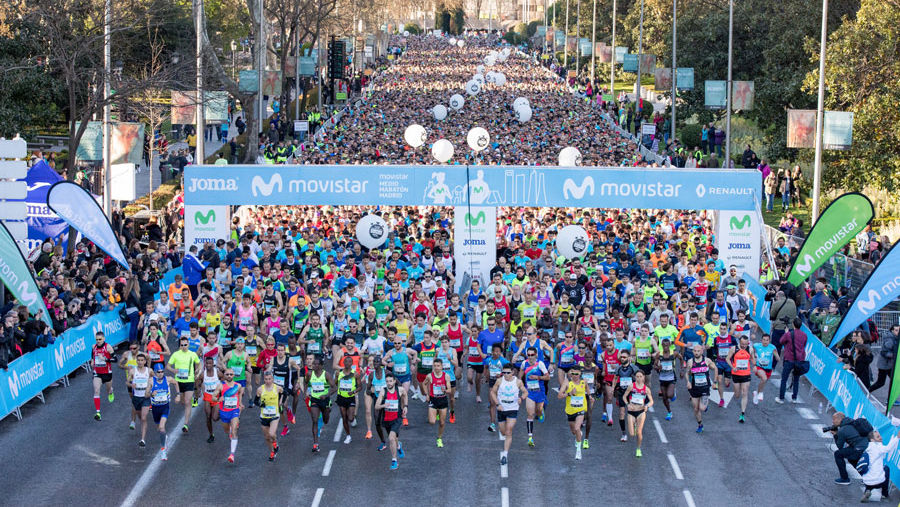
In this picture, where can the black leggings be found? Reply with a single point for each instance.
(885, 486)
(880, 381)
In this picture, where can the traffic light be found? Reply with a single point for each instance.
(336, 59)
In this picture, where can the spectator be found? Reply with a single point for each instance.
(748, 158)
(886, 357)
(769, 186)
(793, 344)
(879, 475)
(850, 445)
(781, 313)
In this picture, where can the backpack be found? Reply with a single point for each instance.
(863, 426)
(862, 466)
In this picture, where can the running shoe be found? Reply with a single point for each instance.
(230, 458)
(163, 455)
(142, 444)
(700, 429)
(131, 425)
(674, 397)
(530, 441)
(503, 460)
(541, 418)
(779, 400)
(842, 482)
(637, 453)
(609, 423)
(211, 439)
(353, 423)
(452, 418)
(111, 397)
(478, 399)
(368, 435)
(755, 398)
(97, 416)
(603, 417)
(285, 430)
(315, 448)
(668, 416)
(195, 403)
(624, 438)
(502, 437)
(440, 443)
(585, 444)
(795, 400)
(405, 421)
(275, 449)
(722, 403)
(184, 429)
(492, 428)
(382, 447)
(867, 495)
(272, 456)
(290, 416)
(741, 419)
(400, 453)
(394, 464)
(578, 452)
(348, 439)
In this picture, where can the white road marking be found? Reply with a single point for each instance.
(504, 470)
(675, 467)
(807, 413)
(318, 497)
(504, 497)
(337, 432)
(328, 462)
(714, 397)
(659, 431)
(144, 480)
(817, 428)
(103, 460)
(689, 499)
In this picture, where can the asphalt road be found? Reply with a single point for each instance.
(59, 455)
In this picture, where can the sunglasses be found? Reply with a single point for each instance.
(507, 373)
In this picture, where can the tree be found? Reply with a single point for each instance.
(861, 73)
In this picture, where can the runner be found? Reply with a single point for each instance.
(474, 363)
(283, 368)
(588, 374)
(609, 362)
(139, 385)
(451, 369)
(399, 360)
(665, 367)
(765, 353)
(321, 387)
(493, 368)
(230, 398)
(185, 365)
(565, 356)
(639, 401)
(101, 357)
(698, 382)
(426, 351)
(574, 390)
(392, 401)
(534, 375)
(238, 361)
(507, 394)
(724, 345)
(156, 347)
(160, 397)
(623, 380)
(128, 362)
(349, 383)
(437, 385)
(375, 384)
(209, 382)
(269, 396)
(742, 362)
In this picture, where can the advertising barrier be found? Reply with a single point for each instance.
(841, 387)
(338, 185)
(29, 375)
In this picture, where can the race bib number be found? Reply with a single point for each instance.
(588, 377)
(624, 382)
(100, 362)
(437, 389)
(154, 356)
(576, 401)
(427, 361)
(742, 364)
(643, 353)
(700, 380)
(638, 398)
(474, 351)
(210, 386)
(666, 366)
(392, 405)
(279, 381)
(161, 398)
(252, 350)
(318, 387)
(238, 370)
(269, 411)
(400, 369)
(723, 351)
(182, 375)
(533, 385)
(313, 347)
(346, 385)
(140, 384)
(567, 357)
(231, 402)
(455, 342)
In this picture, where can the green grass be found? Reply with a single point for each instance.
(773, 218)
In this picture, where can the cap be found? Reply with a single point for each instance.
(239, 340)
(731, 286)
(158, 367)
(573, 276)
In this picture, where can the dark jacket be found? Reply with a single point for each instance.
(847, 434)
(794, 342)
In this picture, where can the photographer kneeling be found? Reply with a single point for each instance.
(846, 431)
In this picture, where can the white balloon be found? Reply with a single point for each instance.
(457, 102)
(523, 113)
(493, 53)
(439, 111)
(479, 69)
(460, 43)
(500, 79)
(406, 33)
(452, 41)
(442, 150)
(569, 157)
(415, 135)
(479, 78)
(520, 101)
(473, 87)
(490, 77)
(572, 241)
(490, 60)
(506, 51)
(371, 231)
(478, 139)
(501, 58)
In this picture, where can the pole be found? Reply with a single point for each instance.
(553, 27)
(107, 112)
(201, 103)
(593, 45)
(637, 100)
(545, 26)
(260, 65)
(820, 119)
(674, 66)
(578, 51)
(297, 73)
(319, 56)
(728, 89)
(566, 43)
(612, 63)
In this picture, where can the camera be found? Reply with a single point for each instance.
(830, 428)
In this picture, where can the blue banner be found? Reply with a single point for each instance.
(35, 371)
(80, 210)
(42, 222)
(827, 375)
(881, 288)
(584, 187)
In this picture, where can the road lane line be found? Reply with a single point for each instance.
(659, 431)
(807, 413)
(689, 499)
(504, 470)
(504, 497)
(675, 467)
(137, 490)
(328, 461)
(318, 497)
(337, 432)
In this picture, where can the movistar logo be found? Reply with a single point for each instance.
(18, 382)
(866, 306)
(739, 224)
(200, 218)
(64, 353)
(477, 219)
(806, 267)
(573, 191)
(259, 187)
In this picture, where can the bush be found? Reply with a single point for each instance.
(533, 26)
(514, 38)
(521, 29)
(689, 135)
(412, 28)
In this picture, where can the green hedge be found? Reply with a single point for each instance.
(689, 135)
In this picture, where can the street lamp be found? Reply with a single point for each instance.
(233, 49)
